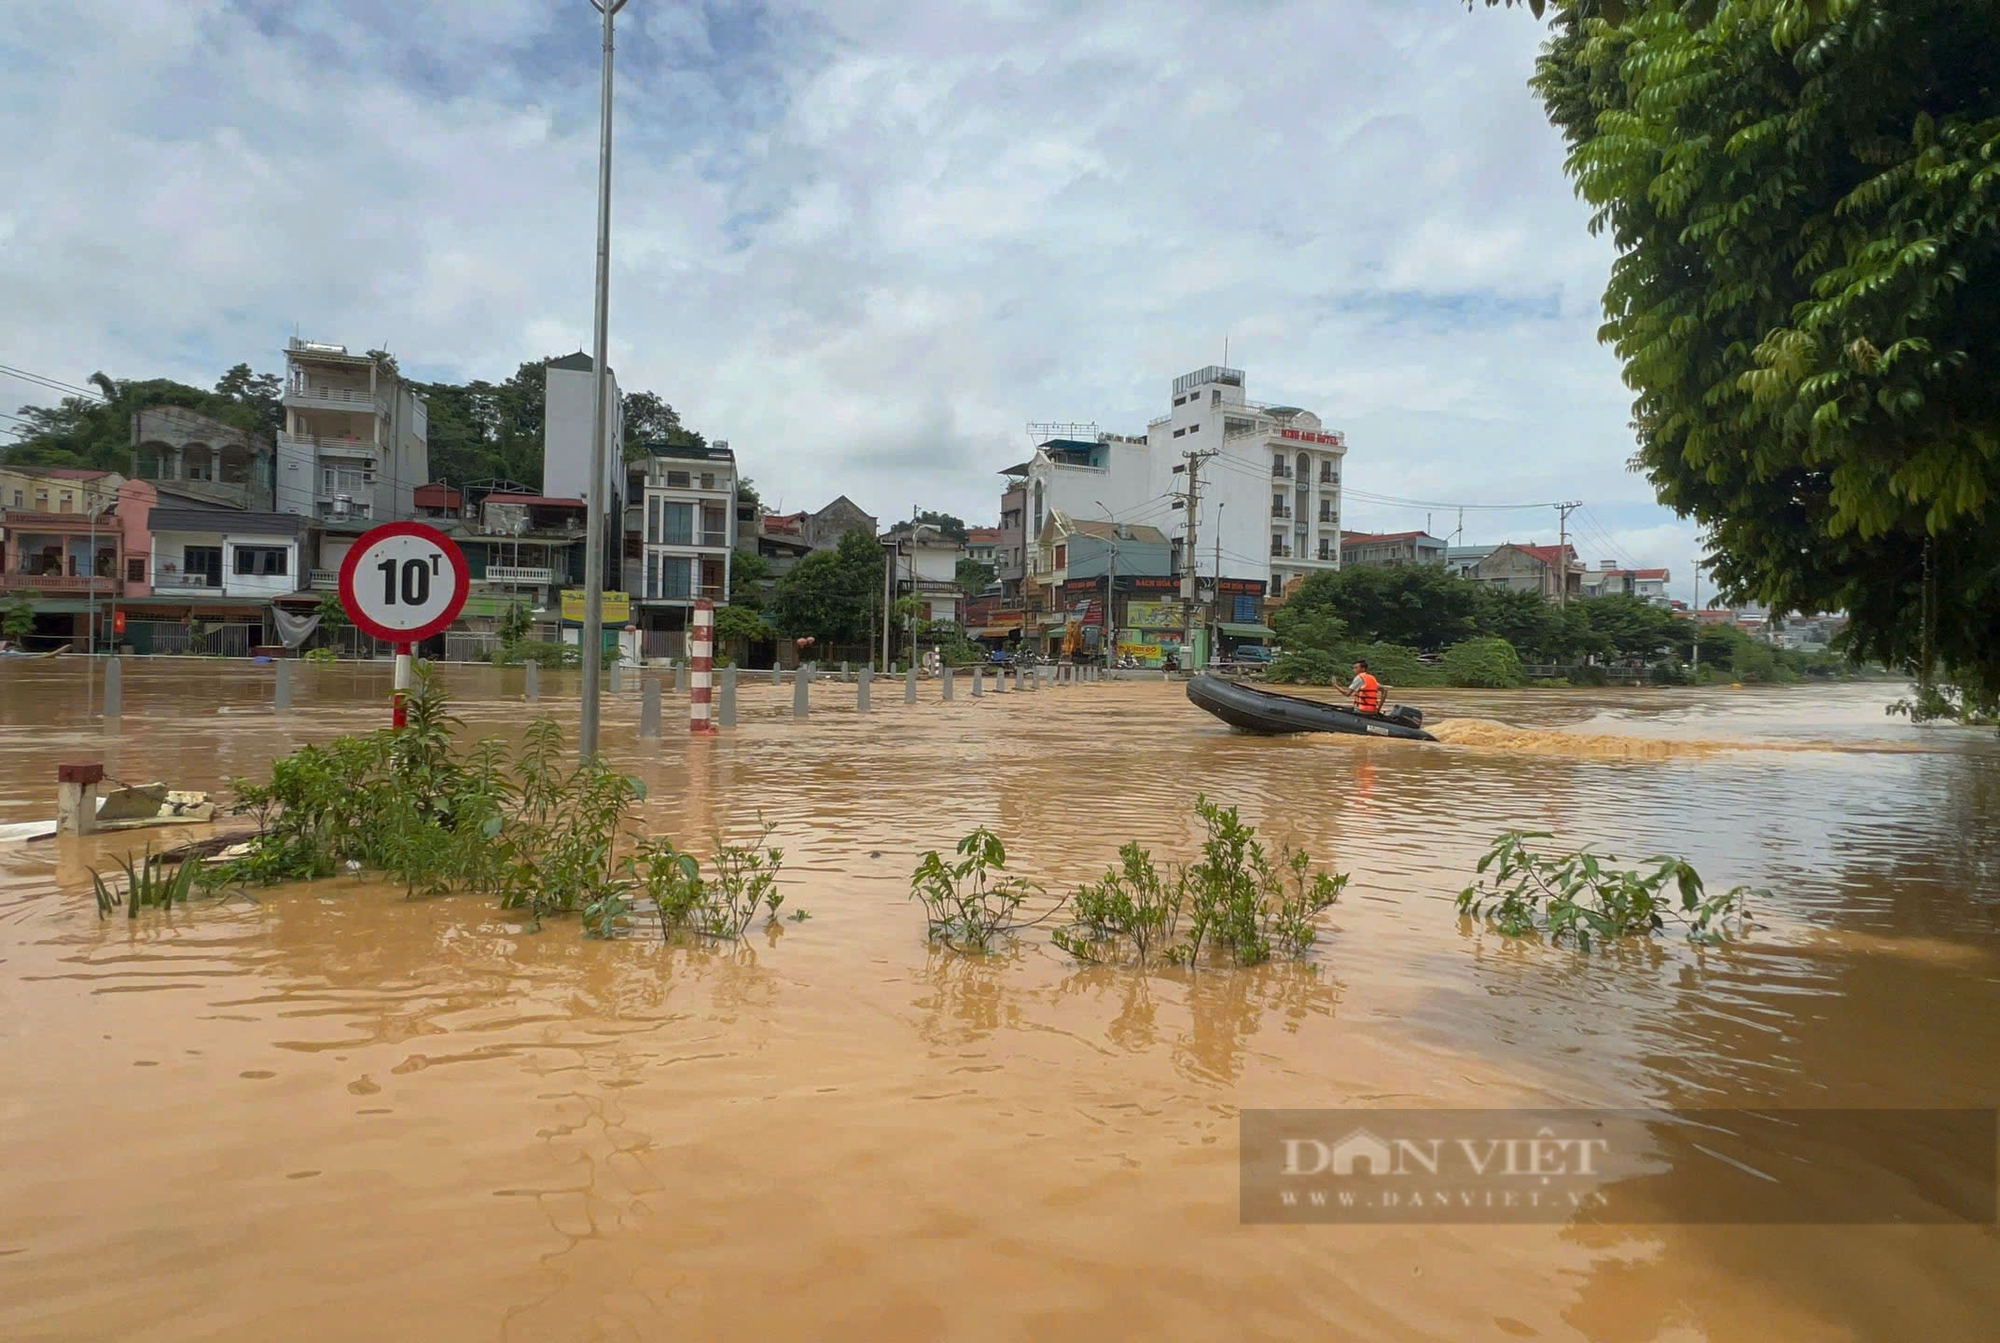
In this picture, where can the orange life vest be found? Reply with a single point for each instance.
(1368, 699)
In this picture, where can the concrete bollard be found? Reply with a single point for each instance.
(910, 686)
(534, 691)
(944, 682)
(114, 687)
(802, 693)
(725, 715)
(777, 677)
(76, 798)
(649, 707)
(843, 671)
(861, 680)
(976, 677)
(281, 689)
(999, 680)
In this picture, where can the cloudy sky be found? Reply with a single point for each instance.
(865, 242)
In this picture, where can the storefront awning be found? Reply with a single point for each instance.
(1240, 631)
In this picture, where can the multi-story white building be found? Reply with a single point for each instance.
(1271, 494)
(354, 446)
(566, 430)
(680, 532)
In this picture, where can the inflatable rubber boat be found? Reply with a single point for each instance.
(1266, 711)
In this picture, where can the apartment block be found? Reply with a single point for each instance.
(354, 445)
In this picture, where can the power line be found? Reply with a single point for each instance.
(53, 384)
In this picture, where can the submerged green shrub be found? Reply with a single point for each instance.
(969, 902)
(742, 882)
(1579, 895)
(533, 829)
(1233, 902)
(147, 885)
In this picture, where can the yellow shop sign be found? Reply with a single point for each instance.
(617, 606)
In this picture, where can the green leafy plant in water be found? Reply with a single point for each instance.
(147, 885)
(534, 830)
(1233, 902)
(1132, 902)
(1583, 895)
(555, 848)
(320, 656)
(742, 882)
(969, 902)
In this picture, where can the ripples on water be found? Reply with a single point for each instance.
(835, 1130)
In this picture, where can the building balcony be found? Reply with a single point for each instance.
(1280, 472)
(1280, 552)
(312, 397)
(323, 580)
(60, 585)
(187, 583)
(521, 574)
(318, 445)
(1280, 511)
(708, 592)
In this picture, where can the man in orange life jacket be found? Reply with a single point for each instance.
(1364, 690)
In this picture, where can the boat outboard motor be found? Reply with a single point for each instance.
(1404, 715)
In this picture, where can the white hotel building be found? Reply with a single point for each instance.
(1270, 497)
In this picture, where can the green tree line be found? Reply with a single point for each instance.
(1486, 633)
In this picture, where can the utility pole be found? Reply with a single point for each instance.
(591, 641)
(1697, 616)
(1191, 501)
(889, 552)
(1109, 643)
(1562, 544)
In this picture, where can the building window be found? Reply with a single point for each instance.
(1179, 432)
(677, 480)
(1277, 465)
(1278, 545)
(1062, 557)
(1326, 510)
(714, 526)
(652, 575)
(262, 561)
(204, 562)
(67, 503)
(135, 569)
(1194, 428)
(41, 501)
(1180, 401)
(653, 520)
(17, 498)
(674, 578)
(677, 524)
(708, 480)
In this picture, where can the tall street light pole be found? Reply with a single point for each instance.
(591, 643)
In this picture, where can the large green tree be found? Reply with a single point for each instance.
(1421, 605)
(830, 593)
(1805, 197)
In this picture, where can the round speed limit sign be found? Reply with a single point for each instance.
(404, 581)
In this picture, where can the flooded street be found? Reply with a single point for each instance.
(336, 1113)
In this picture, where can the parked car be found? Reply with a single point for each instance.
(1254, 654)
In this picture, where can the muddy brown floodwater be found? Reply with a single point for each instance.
(338, 1114)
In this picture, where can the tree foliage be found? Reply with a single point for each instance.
(95, 432)
(829, 594)
(974, 577)
(1806, 203)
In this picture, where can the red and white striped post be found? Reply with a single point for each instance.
(701, 669)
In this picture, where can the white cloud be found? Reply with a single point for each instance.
(863, 242)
